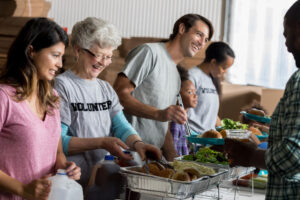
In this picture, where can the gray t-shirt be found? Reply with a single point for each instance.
(87, 107)
(157, 82)
(204, 116)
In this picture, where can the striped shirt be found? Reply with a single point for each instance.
(283, 154)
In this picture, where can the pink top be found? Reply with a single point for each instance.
(28, 145)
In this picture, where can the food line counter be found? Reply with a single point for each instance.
(167, 188)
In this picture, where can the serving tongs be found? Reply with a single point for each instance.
(186, 124)
(165, 163)
(161, 161)
(146, 166)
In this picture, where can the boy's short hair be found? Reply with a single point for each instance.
(184, 74)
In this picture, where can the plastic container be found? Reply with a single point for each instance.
(64, 188)
(240, 134)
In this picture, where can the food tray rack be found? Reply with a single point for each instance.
(168, 188)
(233, 172)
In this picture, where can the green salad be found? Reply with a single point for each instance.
(206, 155)
(230, 124)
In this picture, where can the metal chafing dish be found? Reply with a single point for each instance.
(164, 187)
(233, 172)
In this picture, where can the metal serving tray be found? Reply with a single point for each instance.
(164, 187)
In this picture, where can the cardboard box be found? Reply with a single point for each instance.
(270, 98)
(236, 97)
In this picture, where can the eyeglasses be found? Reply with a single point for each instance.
(99, 57)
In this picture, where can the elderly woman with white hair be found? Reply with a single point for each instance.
(92, 119)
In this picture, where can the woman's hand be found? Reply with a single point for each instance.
(73, 171)
(143, 148)
(113, 146)
(38, 189)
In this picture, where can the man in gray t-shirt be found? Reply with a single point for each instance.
(149, 90)
(149, 83)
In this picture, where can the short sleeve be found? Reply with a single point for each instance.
(139, 64)
(3, 108)
(116, 107)
(193, 78)
(65, 112)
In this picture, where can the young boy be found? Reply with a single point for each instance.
(189, 99)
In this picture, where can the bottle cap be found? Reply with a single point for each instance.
(127, 152)
(109, 157)
(61, 172)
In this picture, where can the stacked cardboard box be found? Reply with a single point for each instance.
(24, 8)
(9, 28)
(236, 97)
(13, 15)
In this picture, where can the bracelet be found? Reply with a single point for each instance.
(134, 143)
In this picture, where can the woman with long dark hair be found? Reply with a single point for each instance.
(218, 58)
(30, 141)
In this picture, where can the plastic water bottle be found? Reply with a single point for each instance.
(64, 188)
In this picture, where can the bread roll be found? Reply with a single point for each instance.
(167, 173)
(223, 133)
(212, 134)
(254, 130)
(154, 168)
(181, 176)
(255, 111)
(193, 173)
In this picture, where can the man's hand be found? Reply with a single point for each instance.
(148, 149)
(240, 153)
(113, 146)
(37, 189)
(173, 113)
(262, 127)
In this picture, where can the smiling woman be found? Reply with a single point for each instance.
(218, 58)
(93, 42)
(48, 60)
(30, 142)
(39, 41)
(92, 119)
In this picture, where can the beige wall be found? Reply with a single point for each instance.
(138, 18)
